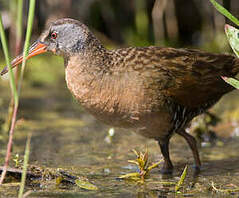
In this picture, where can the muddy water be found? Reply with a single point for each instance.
(65, 136)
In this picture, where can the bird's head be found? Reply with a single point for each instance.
(64, 37)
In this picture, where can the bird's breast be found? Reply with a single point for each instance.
(108, 101)
(117, 100)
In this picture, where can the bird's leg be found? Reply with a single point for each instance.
(193, 145)
(167, 166)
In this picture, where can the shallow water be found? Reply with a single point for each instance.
(65, 136)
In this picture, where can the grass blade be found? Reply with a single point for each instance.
(25, 164)
(225, 12)
(133, 176)
(15, 96)
(6, 54)
(27, 41)
(12, 81)
(154, 165)
(182, 178)
(19, 19)
(25, 53)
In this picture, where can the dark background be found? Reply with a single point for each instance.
(176, 23)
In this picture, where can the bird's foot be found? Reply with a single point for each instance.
(166, 169)
(196, 170)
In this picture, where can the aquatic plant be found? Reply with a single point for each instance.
(181, 180)
(142, 162)
(14, 89)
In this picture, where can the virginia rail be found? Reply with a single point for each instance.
(155, 91)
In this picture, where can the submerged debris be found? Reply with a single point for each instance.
(14, 174)
(36, 176)
(81, 182)
(230, 188)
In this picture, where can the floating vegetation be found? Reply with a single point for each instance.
(25, 165)
(228, 190)
(81, 182)
(85, 184)
(142, 162)
(40, 176)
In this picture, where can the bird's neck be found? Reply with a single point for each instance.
(93, 58)
(85, 71)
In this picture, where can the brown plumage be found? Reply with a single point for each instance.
(155, 91)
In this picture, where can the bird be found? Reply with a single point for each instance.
(154, 91)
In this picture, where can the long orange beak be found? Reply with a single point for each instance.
(35, 49)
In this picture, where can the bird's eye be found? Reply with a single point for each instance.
(53, 35)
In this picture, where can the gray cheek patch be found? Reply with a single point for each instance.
(71, 38)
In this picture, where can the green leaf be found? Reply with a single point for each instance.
(133, 162)
(59, 180)
(85, 184)
(25, 165)
(225, 12)
(27, 40)
(135, 152)
(233, 82)
(233, 38)
(6, 54)
(133, 176)
(141, 163)
(154, 165)
(182, 178)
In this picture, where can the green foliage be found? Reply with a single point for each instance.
(27, 40)
(233, 82)
(142, 162)
(7, 58)
(63, 178)
(25, 53)
(17, 160)
(232, 36)
(25, 165)
(225, 12)
(85, 184)
(181, 180)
